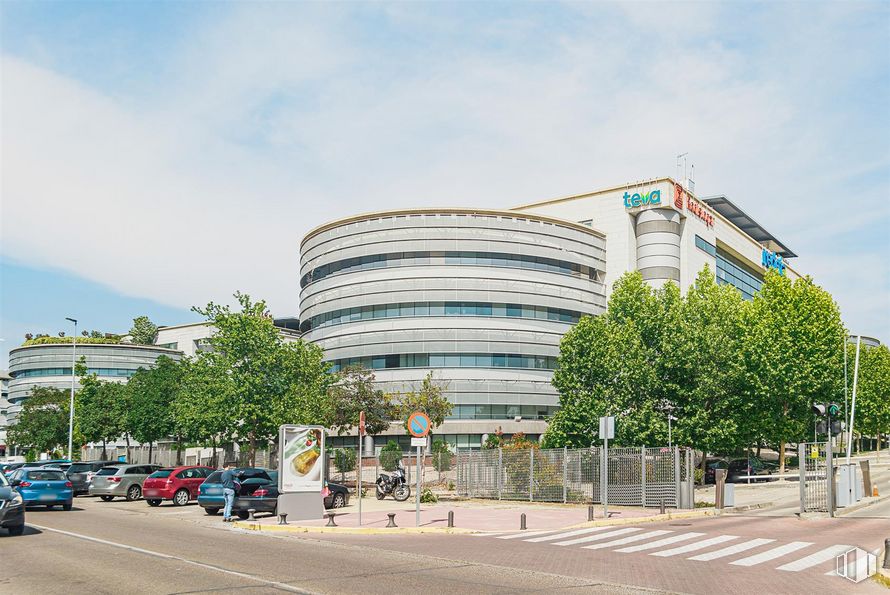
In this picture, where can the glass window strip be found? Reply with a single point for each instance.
(447, 360)
(118, 372)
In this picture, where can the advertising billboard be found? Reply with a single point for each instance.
(301, 459)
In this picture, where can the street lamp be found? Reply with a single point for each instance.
(71, 404)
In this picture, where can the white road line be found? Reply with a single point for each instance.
(624, 540)
(772, 554)
(659, 543)
(692, 547)
(598, 537)
(569, 534)
(825, 555)
(277, 585)
(526, 534)
(733, 549)
(492, 534)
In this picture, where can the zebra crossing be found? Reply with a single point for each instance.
(691, 545)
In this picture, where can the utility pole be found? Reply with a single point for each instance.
(71, 404)
(853, 401)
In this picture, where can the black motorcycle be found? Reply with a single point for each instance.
(394, 484)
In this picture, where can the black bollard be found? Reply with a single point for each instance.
(591, 513)
(661, 506)
(250, 512)
(450, 518)
(522, 522)
(887, 554)
(331, 522)
(282, 518)
(392, 519)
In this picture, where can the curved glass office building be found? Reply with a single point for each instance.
(480, 298)
(50, 365)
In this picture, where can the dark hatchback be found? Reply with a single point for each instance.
(12, 508)
(81, 474)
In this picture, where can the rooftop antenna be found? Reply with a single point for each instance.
(681, 160)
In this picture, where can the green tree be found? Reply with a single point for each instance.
(354, 392)
(42, 423)
(792, 356)
(144, 331)
(344, 460)
(151, 392)
(872, 391)
(441, 456)
(98, 411)
(200, 409)
(429, 398)
(390, 455)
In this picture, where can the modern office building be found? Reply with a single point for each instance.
(479, 297)
(4, 410)
(50, 365)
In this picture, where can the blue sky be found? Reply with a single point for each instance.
(160, 155)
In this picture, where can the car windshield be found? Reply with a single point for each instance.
(162, 473)
(80, 467)
(46, 475)
(214, 477)
(107, 471)
(3, 481)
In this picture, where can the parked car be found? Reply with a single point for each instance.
(6, 469)
(81, 474)
(740, 468)
(261, 494)
(60, 466)
(711, 469)
(120, 481)
(12, 508)
(43, 487)
(179, 484)
(210, 493)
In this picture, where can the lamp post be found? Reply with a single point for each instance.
(853, 400)
(71, 404)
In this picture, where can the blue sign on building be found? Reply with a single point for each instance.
(637, 199)
(771, 260)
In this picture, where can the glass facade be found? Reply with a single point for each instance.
(115, 372)
(494, 259)
(502, 411)
(447, 360)
(455, 440)
(732, 272)
(406, 309)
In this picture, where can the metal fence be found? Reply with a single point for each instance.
(438, 469)
(637, 476)
(814, 460)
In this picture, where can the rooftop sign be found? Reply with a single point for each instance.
(638, 199)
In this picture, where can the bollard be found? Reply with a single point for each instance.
(591, 513)
(661, 506)
(392, 519)
(887, 554)
(282, 518)
(250, 512)
(331, 522)
(522, 522)
(450, 518)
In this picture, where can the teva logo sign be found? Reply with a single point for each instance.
(638, 199)
(771, 260)
(692, 205)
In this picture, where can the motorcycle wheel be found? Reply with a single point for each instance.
(401, 493)
(380, 493)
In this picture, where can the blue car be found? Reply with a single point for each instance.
(210, 493)
(43, 487)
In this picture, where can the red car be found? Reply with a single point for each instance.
(179, 484)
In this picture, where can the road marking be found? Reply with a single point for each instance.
(569, 534)
(698, 545)
(733, 549)
(659, 543)
(771, 554)
(492, 534)
(624, 540)
(138, 550)
(527, 534)
(825, 555)
(598, 537)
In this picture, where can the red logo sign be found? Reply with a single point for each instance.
(692, 205)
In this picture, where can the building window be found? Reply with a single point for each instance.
(399, 259)
(173, 345)
(447, 360)
(706, 246)
(109, 372)
(732, 272)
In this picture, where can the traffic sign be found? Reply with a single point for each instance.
(418, 424)
(421, 442)
(607, 428)
(361, 424)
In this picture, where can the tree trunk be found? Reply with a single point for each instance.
(782, 458)
(104, 454)
(759, 445)
(704, 467)
(178, 450)
(213, 462)
(252, 448)
(149, 451)
(127, 437)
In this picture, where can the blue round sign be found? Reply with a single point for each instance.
(418, 424)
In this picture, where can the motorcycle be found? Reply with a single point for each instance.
(394, 484)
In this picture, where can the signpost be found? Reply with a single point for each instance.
(607, 430)
(419, 428)
(358, 475)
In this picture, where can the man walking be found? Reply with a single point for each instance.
(228, 484)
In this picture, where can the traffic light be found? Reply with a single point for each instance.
(833, 409)
(837, 426)
(819, 409)
(822, 427)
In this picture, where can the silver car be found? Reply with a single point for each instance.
(124, 481)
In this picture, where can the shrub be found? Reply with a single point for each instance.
(47, 340)
(344, 460)
(493, 441)
(390, 456)
(441, 456)
(428, 497)
(699, 476)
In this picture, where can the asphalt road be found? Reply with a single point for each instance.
(127, 547)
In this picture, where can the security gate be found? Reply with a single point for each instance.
(816, 477)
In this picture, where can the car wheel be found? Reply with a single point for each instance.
(211, 511)
(339, 501)
(66, 506)
(17, 530)
(134, 492)
(154, 502)
(243, 515)
(107, 498)
(181, 498)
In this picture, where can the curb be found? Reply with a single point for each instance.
(257, 527)
(860, 505)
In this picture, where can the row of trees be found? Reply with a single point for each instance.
(242, 389)
(733, 373)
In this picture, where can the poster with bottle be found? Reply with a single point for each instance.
(301, 459)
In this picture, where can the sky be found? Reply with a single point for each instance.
(161, 155)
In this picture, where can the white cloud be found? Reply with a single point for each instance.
(273, 121)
